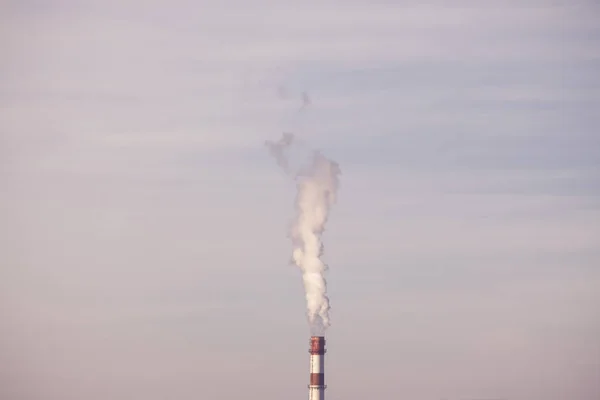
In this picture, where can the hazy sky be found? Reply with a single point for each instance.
(143, 239)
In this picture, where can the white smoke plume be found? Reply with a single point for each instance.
(317, 184)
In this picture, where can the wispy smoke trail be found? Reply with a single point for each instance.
(317, 184)
(277, 150)
(305, 101)
(284, 94)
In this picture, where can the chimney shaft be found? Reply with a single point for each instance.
(316, 388)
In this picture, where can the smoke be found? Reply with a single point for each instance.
(317, 183)
(277, 150)
(305, 101)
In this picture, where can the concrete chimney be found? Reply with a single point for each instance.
(316, 388)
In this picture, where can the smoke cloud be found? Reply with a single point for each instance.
(317, 181)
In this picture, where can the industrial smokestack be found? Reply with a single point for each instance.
(317, 181)
(316, 387)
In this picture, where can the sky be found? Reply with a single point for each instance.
(144, 250)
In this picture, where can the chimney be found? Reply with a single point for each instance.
(316, 388)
